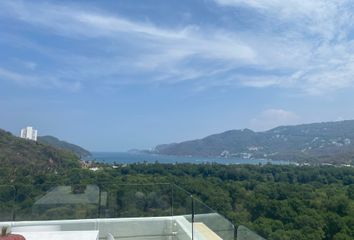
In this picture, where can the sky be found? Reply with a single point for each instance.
(118, 75)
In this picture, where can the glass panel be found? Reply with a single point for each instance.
(182, 214)
(244, 233)
(136, 211)
(208, 224)
(135, 200)
(182, 202)
(47, 202)
(25, 198)
(7, 199)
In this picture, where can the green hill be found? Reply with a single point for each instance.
(330, 142)
(57, 143)
(33, 156)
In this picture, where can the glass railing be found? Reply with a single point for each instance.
(244, 233)
(109, 200)
(209, 223)
(144, 211)
(7, 202)
(135, 200)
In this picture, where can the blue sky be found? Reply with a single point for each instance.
(116, 75)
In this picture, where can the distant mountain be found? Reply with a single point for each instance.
(57, 143)
(330, 142)
(16, 152)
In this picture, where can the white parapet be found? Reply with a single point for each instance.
(138, 228)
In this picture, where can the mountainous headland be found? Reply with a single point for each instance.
(63, 145)
(16, 153)
(326, 142)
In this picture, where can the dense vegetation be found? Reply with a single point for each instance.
(331, 142)
(57, 143)
(278, 202)
(17, 153)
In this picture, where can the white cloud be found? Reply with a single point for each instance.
(260, 82)
(319, 36)
(72, 22)
(317, 16)
(166, 54)
(30, 65)
(18, 78)
(271, 118)
(306, 46)
(45, 82)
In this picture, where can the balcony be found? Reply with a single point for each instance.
(114, 211)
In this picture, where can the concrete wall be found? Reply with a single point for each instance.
(152, 228)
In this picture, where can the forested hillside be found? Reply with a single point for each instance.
(34, 157)
(57, 143)
(331, 142)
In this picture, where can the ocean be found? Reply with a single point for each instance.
(128, 157)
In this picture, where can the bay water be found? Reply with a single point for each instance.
(139, 157)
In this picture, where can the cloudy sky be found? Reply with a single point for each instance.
(115, 75)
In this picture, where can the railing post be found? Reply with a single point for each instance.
(99, 201)
(14, 205)
(192, 217)
(172, 186)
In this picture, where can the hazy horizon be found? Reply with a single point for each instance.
(128, 149)
(119, 75)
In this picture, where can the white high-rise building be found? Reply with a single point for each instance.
(29, 133)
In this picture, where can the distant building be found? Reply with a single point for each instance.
(29, 133)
